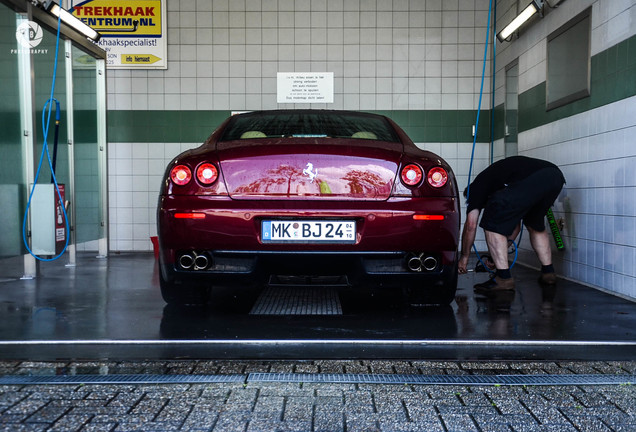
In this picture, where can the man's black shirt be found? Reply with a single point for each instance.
(499, 175)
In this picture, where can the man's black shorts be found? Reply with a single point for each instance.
(528, 200)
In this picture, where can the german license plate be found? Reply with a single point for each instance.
(309, 231)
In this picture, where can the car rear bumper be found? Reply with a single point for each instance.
(228, 237)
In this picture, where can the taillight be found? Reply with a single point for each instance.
(207, 173)
(180, 175)
(411, 175)
(437, 177)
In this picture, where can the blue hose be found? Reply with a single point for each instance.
(472, 155)
(46, 121)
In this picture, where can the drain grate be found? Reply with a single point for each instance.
(465, 380)
(297, 301)
(508, 380)
(119, 379)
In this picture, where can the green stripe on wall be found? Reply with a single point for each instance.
(163, 126)
(195, 126)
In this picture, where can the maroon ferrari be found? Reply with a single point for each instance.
(311, 196)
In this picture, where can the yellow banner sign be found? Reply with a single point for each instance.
(138, 18)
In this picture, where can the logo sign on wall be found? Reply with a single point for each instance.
(134, 32)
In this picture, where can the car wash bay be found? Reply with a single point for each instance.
(120, 128)
(111, 308)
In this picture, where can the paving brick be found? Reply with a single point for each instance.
(330, 366)
(70, 423)
(588, 423)
(23, 427)
(458, 422)
(328, 421)
(174, 412)
(269, 407)
(99, 427)
(47, 414)
(357, 368)
(25, 408)
(282, 368)
(366, 422)
(298, 409)
(232, 422)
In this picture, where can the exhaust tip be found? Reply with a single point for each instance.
(201, 262)
(414, 263)
(186, 261)
(429, 263)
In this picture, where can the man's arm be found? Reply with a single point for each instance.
(468, 238)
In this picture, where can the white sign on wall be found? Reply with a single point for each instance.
(305, 87)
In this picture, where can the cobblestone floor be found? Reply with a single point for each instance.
(284, 406)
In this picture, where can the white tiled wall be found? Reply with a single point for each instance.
(596, 150)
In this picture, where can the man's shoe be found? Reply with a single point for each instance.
(548, 279)
(495, 284)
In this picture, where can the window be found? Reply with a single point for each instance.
(568, 77)
(309, 124)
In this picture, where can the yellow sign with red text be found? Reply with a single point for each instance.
(130, 30)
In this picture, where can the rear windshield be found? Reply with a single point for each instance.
(302, 124)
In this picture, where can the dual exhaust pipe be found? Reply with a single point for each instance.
(194, 261)
(202, 261)
(421, 262)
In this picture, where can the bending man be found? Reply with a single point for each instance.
(510, 191)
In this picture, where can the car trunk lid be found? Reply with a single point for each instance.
(309, 169)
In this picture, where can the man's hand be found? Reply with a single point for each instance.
(462, 264)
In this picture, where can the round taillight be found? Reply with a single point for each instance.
(411, 174)
(437, 177)
(207, 173)
(180, 175)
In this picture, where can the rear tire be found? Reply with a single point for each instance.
(183, 294)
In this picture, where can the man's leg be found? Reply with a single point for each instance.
(498, 248)
(540, 241)
(502, 280)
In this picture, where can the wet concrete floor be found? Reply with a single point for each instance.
(112, 308)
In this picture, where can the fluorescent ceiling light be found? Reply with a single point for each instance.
(73, 21)
(524, 16)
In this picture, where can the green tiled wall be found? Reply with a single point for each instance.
(163, 126)
(196, 126)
